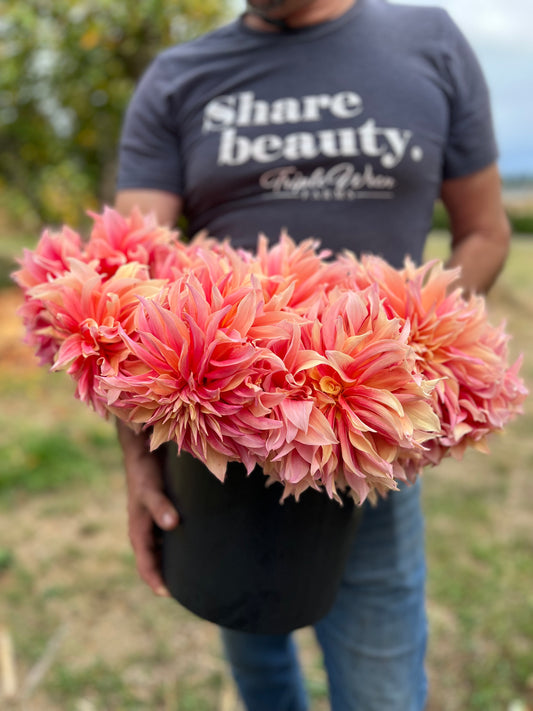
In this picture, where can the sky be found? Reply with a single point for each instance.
(501, 33)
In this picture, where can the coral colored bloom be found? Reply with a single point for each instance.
(47, 261)
(477, 392)
(297, 452)
(295, 267)
(86, 316)
(194, 376)
(116, 240)
(367, 391)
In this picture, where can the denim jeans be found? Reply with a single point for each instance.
(374, 637)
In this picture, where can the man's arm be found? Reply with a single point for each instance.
(165, 206)
(480, 229)
(146, 500)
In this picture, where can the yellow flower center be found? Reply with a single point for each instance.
(329, 386)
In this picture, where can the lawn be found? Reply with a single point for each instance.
(79, 632)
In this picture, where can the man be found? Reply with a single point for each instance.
(342, 120)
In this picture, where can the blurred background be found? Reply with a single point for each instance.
(78, 631)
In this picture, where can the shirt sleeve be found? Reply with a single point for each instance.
(149, 155)
(471, 143)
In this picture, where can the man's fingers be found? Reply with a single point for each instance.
(146, 549)
(161, 509)
(147, 504)
(151, 575)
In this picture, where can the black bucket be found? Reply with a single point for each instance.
(242, 559)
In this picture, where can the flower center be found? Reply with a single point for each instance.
(329, 386)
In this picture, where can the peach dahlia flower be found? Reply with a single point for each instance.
(193, 374)
(47, 261)
(86, 315)
(116, 240)
(477, 391)
(369, 392)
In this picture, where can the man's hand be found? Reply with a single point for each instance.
(147, 504)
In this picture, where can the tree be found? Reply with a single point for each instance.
(67, 71)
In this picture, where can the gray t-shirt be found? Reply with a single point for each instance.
(342, 131)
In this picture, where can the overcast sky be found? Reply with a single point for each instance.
(501, 32)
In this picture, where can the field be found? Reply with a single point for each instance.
(79, 632)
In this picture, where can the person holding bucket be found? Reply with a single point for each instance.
(343, 120)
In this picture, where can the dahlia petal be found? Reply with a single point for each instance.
(216, 462)
(297, 412)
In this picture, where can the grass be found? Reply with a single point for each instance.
(46, 462)
(98, 682)
(65, 561)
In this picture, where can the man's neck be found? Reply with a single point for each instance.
(313, 13)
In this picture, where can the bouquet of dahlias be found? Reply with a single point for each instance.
(343, 375)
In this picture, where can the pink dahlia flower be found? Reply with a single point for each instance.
(47, 261)
(477, 392)
(369, 392)
(299, 268)
(86, 315)
(194, 375)
(298, 451)
(116, 240)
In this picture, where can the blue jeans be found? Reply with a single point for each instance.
(374, 637)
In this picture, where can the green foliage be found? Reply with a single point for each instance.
(7, 266)
(67, 71)
(440, 217)
(521, 219)
(521, 222)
